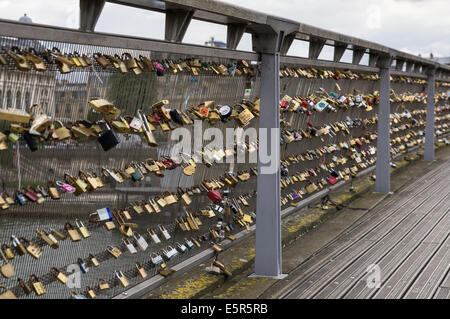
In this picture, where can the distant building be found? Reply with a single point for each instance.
(216, 44)
(20, 89)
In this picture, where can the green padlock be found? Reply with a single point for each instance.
(13, 137)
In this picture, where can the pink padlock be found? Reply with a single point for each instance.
(66, 187)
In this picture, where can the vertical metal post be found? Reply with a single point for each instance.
(383, 181)
(268, 221)
(429, 129)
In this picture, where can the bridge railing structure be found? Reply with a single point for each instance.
(272, 37)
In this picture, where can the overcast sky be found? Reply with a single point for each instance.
(414, 26)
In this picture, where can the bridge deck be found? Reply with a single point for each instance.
(406, 236)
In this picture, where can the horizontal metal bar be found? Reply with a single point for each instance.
(51, 33)
(326, 64)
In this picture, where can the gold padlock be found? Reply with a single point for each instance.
(122, 279)
(103, 284)
(33, 249)
(72, 232)
(141, 270)
(114, 251)
(38, 286)
(90, 292)
(62, 278)
(82, 229)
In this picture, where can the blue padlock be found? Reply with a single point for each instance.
(21, 200)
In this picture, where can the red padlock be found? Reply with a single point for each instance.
(214, 196)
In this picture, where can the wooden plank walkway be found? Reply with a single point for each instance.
(406, 236)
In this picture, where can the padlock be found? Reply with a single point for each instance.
(62, 278)
(114, 251)
(156, 259)
(6, 268)
(32, 249)
(129, 246)
(7, 251)
(94, 260)
(72, 232)
(19, 246)
(82, 229)
(58, 234)
(38, 286)
(48, 238)
(8, 294)
(181, 247)
(20, 60)
(141, 242)
(153, 236)
(164, 232)
(25, 286)
(122, 279)
(83, 266)
(90, 292)
(103, 284)
(108, 139)
(141, 270)
(89, 179)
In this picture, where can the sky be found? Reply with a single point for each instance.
(413, 26)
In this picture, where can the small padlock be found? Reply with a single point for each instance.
(129, 246)
(141, 270)
(90, 292)
(141, 242)
(62, 278)
(114, 251)
(94, 260)
(122, 279)
(103, 284)
(38, 286)
(83, 266)
(82, 229)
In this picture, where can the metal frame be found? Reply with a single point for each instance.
(271, 36)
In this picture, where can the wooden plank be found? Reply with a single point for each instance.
(331, 250)
(409, 269)
(380, 255)
(428, 281)
(339, 263)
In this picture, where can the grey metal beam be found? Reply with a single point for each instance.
(399, 63)
(177, 21)
(235, 31)
(90, 11)
(268, 206)
(416, 68)
(409, 66)
(50, 33)
(298, 61)
(373, 59)
(339, 50)
(287, 42)
(358, 53)
(315, 47)
(429, 129)
(383, 180)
